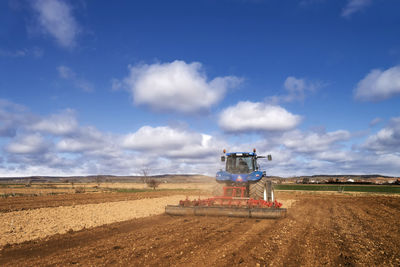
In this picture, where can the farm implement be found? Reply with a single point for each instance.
(248, 192)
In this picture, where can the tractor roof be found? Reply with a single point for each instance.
(241, 154)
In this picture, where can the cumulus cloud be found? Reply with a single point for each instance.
(296, 90)
(354, 6)
(58, 145)
(85, 140)
(55, 18)
(172, 142)
(28, 144)
(176, 86)
(257, 117)
(387, 140)
(160, 138)
(12, 117)
(68, 74)
(309, 142)
(379, 85)
(57, 124)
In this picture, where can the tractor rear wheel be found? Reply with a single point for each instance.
(262, 190)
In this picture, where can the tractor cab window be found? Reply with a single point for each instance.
(238, 165)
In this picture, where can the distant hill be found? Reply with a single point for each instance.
(173, 178)
(343, 178)
(179, 178)
(349, 176)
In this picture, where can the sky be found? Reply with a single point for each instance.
(93, 87)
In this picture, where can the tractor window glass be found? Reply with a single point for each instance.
(239, 164)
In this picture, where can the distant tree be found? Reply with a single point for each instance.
(145, 173)
(153, 183)
(306, 180)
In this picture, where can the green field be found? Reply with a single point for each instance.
(341, 188)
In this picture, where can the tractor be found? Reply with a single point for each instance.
(247, 192)
(242, 169)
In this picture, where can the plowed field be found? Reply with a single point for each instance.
(320, 229)
(45, 201)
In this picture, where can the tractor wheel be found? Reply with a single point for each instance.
(262, 190)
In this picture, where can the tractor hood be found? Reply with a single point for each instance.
(224, 176)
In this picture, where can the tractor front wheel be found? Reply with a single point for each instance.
(262, 190)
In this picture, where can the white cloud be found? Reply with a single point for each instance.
(65, 72)
(354, 6)
(12, 117)
(28, 144)
(85, 140)
(375, 122)
(294, 85)
(257, 117)
(176, 86)
(172, 142)
(55, 18)
(58, 124)
(312, 141)
(387, 140)
(52, 146)
(296, 90)
(379, 85)
(159, 138)
(68, 74)
(205, 150)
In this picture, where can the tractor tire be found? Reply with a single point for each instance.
(262, 190)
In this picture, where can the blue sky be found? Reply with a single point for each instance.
(89, 87)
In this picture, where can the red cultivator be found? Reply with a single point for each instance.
(233, 197)
(233, 203)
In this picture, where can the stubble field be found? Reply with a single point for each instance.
(129, 228)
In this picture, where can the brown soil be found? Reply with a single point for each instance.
(330, 230)
(20, 226)
(35, 202)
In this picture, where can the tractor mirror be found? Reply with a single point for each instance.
(269, 157)
(223, 158)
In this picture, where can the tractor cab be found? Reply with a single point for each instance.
(241, 163)
(240, 167)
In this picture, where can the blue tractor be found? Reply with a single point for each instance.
(248, 192)
(241, 169)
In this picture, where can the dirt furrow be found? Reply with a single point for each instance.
(35, 202)
(318, 231)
